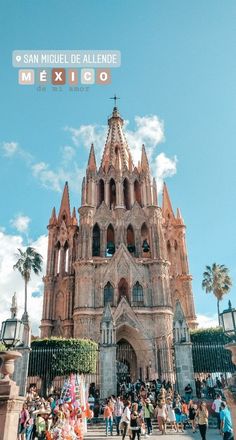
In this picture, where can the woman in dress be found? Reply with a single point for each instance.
(192, 408)
(202, 416)
(171, 413)
(161, 412)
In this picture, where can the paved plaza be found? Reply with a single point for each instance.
(187, 435)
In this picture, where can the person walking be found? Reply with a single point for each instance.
(178, 415)
(161, 412)
(226, 422)
(125, 419)
(202, 416)
(118, 411)
(24, 418)
(171, 414)
(135, 422)
(108, 416)
(192, 409)
(148, 412)
(216, 406)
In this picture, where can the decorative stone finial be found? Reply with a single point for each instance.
(14, 308)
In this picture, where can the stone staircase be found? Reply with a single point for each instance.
(98, 424)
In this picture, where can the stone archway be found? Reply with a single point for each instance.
(141, 345)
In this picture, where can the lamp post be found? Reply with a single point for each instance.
(10, 402)
(228, 320)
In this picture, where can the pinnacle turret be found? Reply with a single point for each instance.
(53, 218)
(167, 209)
(64, 212)
(92, 160)
(144, 160)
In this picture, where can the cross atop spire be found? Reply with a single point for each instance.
(115, 99)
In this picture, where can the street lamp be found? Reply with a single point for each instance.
(12, 332)
(228, 319)
(11, 336)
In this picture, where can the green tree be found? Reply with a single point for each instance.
(28, 261)
(216, 280)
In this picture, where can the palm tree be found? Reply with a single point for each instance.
(216, 279)
(28, 261)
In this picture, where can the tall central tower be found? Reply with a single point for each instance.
(127, 252)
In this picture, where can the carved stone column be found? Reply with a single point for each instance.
(10, 402)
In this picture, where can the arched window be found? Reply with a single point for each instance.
(123, 289)
(66, 257)
(100, 192)
(96, 241)
(137, 294)
(57, 257)
(145, 240)
(137, 192)
(176, 245)
(110, 241)
(126, 191)
(112, 187)
(108, 294)
(130, 239)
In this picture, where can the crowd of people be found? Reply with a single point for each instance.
(54, 418)
(138, 410)
(133, 412)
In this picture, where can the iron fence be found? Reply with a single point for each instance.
(50, 366)
(212, 357)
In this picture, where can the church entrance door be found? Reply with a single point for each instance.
(126, 363)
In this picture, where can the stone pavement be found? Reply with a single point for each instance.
(212, 434)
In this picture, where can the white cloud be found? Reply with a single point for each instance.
(164, 167)
(206, 321)
(85, 135)
(149, 130)
(47, 177)
(9, 148)
(68, 153)
(21, 223)
(11, 281)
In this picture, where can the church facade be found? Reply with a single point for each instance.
(126, 251)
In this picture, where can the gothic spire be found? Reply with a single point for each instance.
(154, 185)
(74, 218)
(179, 216)
(92, 160)
(53, 218)
(116, 142)
(144, 160)
(65, 205)
(166, 203)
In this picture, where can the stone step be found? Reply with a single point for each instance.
(99, 424)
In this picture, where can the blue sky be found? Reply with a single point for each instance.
(178, 63)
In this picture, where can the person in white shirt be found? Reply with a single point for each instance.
(126, 418)
(216, 408)
(118, 411)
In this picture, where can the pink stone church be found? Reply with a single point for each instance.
(126, 251)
